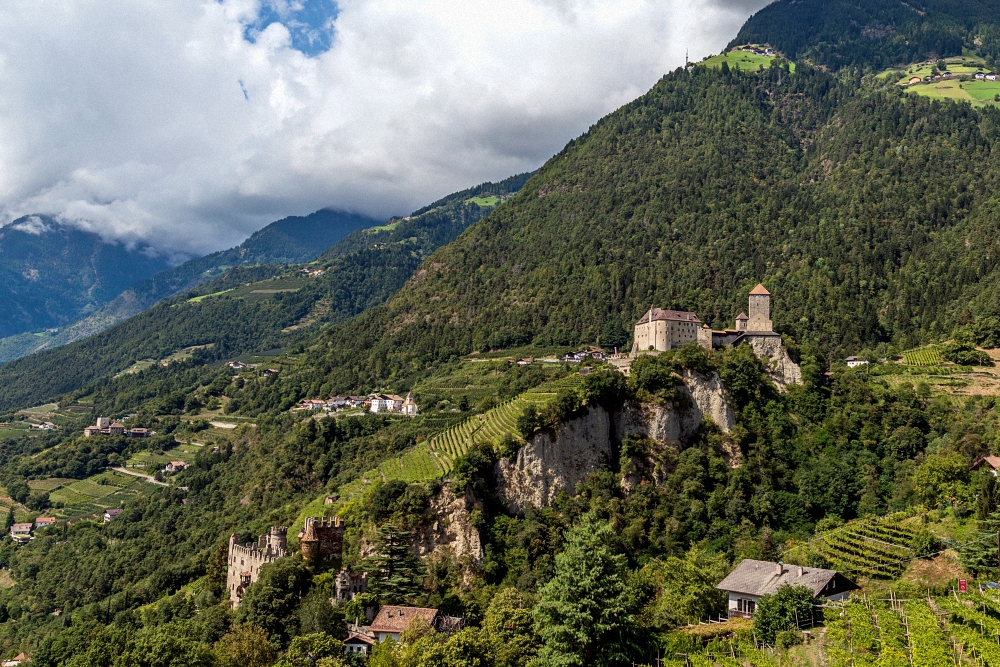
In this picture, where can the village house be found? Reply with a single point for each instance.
(992, 464)
(992, 76)
(111, 513)
(312, 404)
(105, 426)
(21, 659)
(331, 499)
(45, 521)
(175, 466)
(385, 403)
(237, 365)
(44, 426)
(391, 621)
(753, 579)
(21, 532)
(854, 362)
(358, 642)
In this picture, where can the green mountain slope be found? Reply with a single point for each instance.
(52, 274)
(869, 215)
(872, 33)
(289, 240)
(363, 269)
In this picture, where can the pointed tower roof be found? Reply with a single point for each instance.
(759, 290)
(742, 316)
(409, 398)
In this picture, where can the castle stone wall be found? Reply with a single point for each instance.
(245, 560)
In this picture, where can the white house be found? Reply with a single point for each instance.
(410, 406)
(753, 579)
(854, 362)
(386, 403)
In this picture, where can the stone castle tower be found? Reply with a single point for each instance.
(760, 311)
(245, 560)
(322, 538)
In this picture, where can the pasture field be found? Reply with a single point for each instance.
(485, 201)
(741, 60)
(182, 452)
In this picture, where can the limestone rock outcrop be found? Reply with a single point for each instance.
(451, 530)
(777, 364)
(550, 463)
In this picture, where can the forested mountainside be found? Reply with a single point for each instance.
(52, 274)
(870, 216)
(570, 518)
(876, 33)
(290, 240)
(361, 270)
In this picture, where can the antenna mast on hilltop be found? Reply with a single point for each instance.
(687, 62)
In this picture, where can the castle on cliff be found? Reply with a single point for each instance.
(661, 330)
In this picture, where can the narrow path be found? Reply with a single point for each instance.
(148, 478)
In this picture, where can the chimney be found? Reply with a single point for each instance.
(778, 569)
(800, 570)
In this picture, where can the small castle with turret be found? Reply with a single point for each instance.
(322, 539)
(245, 560)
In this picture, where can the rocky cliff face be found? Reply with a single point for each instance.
(550, 463)
(777, 364)
(450, 533)
(553, 462)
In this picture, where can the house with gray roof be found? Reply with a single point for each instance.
(753, 579)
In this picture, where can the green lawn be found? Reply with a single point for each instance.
(740, 60)
(485, 201)
(182, 452)
(205, 296)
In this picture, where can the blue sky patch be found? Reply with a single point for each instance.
(310, 23)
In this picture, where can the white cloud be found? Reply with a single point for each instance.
(159, 121)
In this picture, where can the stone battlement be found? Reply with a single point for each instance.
(245, 560)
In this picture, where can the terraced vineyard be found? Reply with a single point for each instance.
(938, 632)
(869, 547)
(925, 356)
(86, 498)
(436, 456)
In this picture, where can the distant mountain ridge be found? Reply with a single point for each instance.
(361, 270)
(52, 273)
(291, 240)
(874, 33)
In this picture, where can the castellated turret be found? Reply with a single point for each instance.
(245, 560)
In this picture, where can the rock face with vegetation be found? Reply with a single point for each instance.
(553, 462)
(556, 460)
(449, 531)
(777, 364)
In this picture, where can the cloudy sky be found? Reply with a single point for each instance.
(188, 124)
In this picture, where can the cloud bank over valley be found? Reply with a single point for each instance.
(190, 124)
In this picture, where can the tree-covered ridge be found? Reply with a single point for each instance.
(873, 33)
(869, 215)
(361, 270)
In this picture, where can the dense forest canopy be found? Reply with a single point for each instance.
(870, 215)
(874, 34)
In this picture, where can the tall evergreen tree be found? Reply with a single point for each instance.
(395, 573)
(585, 613)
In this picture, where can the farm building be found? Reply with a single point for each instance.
(753, 579)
